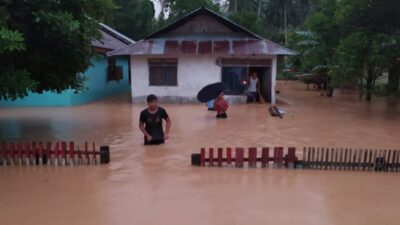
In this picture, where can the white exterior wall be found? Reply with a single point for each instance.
(194, 72)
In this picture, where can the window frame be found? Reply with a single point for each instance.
(160, 63)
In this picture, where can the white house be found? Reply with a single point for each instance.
(199, 49)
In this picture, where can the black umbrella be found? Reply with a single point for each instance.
(211, 91)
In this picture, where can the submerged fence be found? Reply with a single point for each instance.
(311, 158)
(59, 153)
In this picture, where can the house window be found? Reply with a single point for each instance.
(163, 72)
(114, 72)
(233, 77)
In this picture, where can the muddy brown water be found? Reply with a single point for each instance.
(157, 185)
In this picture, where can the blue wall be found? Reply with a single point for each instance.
(97, 87)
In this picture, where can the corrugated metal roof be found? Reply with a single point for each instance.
(228, 46)
(111, 39)
(164, 42)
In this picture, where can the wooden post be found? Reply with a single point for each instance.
(322, 160)
(19, 153)
(305, 158)
(291, 157)
(27, 154)
(313, 161)
(365, 161)
(229, 156)
(94, 158)
(219, 160)
(11, 152)
(346, 151)
(309, 163)
(63, 152)
(354, 163)
(41, 153)
(360, 154)
(265, 157)
(57, 154)
(71, 153)
(33, 153)
(336, 163)
(239, 157)
(327, 162)
(385, 160)
(48, 153)
(80, 159)
(278, 157)
(211, 156)
(252, 157)
(341, 159)
(317, 162)
(393, 165)
(371, 163)
(87, 158)
(3, 155)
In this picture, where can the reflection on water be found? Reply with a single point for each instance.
(156, 184)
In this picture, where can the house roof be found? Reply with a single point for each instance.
(184, 37)
(111, 39)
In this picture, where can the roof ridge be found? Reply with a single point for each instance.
(116, 34)
(202, 9)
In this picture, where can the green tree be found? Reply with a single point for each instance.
(360, 39)
(45, 45)
(134, 18)
(248, 20)
(178, 8)
(370, 30)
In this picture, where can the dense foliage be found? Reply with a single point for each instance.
(45, 45)
(356, 42)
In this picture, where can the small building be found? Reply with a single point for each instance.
(106, 77)
(201, 48)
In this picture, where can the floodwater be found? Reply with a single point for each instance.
(157, 185)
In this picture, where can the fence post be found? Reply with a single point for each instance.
(219, 159)
(265, 157)
(252, 157)
(239, 157)
(229, 156)
(211, 156)
(291, 157)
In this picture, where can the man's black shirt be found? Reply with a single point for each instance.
(153, 123)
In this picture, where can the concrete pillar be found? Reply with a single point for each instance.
(273, 79)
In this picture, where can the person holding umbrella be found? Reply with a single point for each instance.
(215, 92)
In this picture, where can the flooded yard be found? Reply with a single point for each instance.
(157, 185)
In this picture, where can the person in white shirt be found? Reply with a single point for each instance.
(252, 88)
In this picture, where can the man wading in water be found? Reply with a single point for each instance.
(151, 122)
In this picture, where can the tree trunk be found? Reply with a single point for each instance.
(259, 10)
(360, 88)
(369, 84)
(286, 28)
(235, 7)
(394, 78)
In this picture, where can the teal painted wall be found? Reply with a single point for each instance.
(97, 87)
